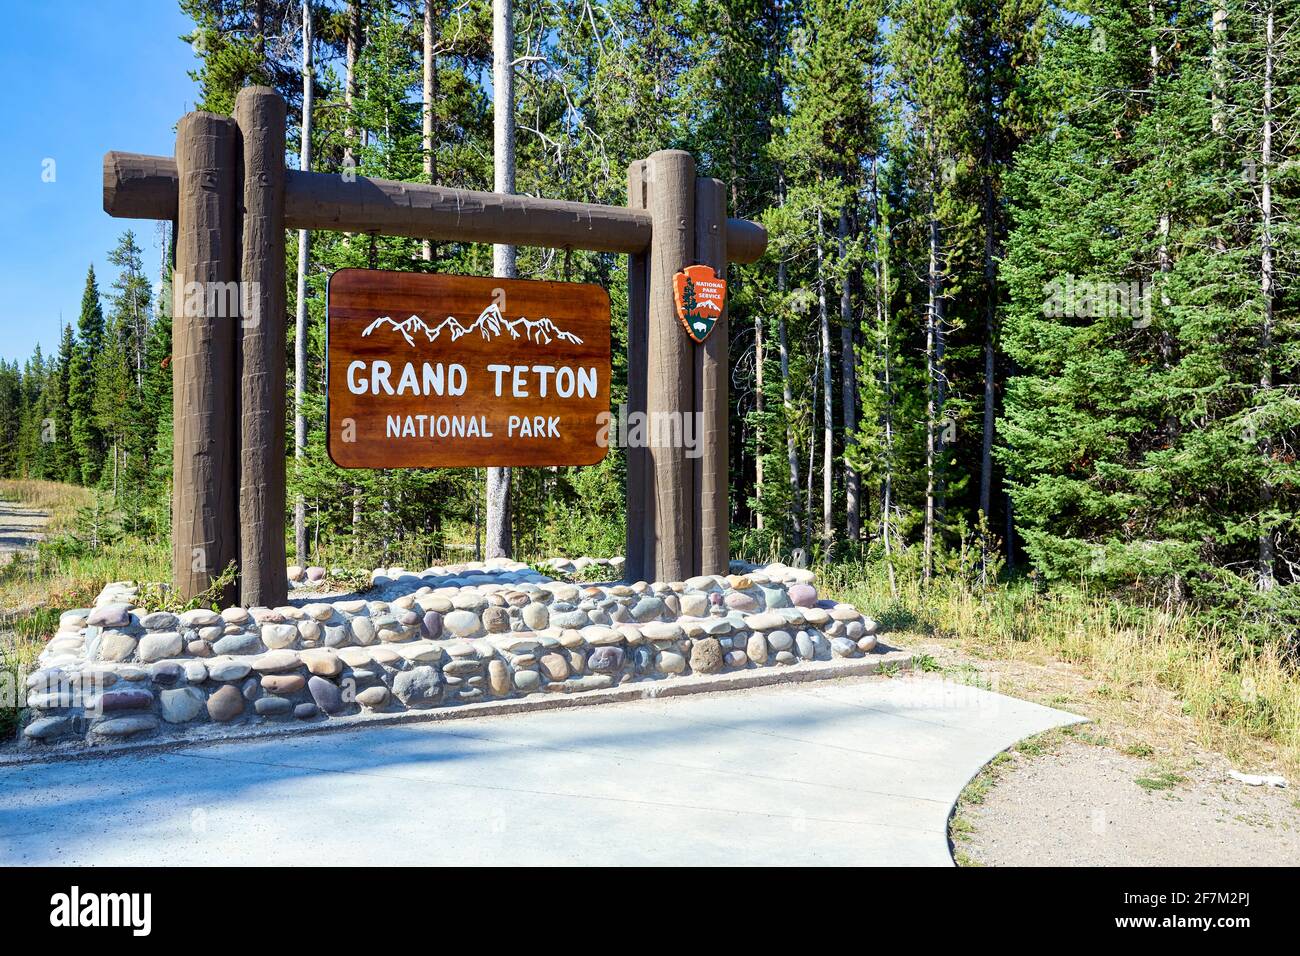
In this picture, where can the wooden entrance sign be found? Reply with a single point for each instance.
(438, 371)
(231, 201)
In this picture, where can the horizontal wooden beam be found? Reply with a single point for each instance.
(140, 187)
(328, 201)
(145, 187)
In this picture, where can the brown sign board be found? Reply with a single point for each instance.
(443, 371)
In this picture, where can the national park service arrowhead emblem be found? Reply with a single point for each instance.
(700, 297)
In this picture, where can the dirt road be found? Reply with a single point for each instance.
(20, 529)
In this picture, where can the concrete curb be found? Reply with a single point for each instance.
(956, 800)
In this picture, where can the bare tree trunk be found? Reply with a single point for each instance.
(990, 382)
(478, 526)
(759, 407)
(990, 318)
(933, 400)
(499, 536)
(787, 401)
(356, 519)
(812, 451)
(828, 451)
(353, 28)
(777, 109)
(1267, 287)
(1164, 264)
(880, 267)
(848, 388)
(945, 423)
(430, 91)
(300, 321)
(1219, 42)
(259, 31)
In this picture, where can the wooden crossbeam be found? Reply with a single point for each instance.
(145, 187)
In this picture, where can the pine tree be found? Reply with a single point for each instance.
(11, 417)
(34, 451)
(230, 40)
(1145, 425)
(87, 439)
(67, 467)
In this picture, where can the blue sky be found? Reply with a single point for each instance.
(77, 80)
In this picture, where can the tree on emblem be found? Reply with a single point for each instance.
(690, 307)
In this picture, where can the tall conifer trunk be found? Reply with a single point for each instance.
(990, 316)
(828, 452)
(848, 385)
(429, 94)
(1267, 288)
(300, 317)
(787, 396)
(1218, 65)
(498, 543)
(880, 268)
(933, 387)
(760, 406)
(353, 28)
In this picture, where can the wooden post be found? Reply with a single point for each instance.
(638, 460)
(259, 394)
(670, 376)
(713, 367)
(204, 473)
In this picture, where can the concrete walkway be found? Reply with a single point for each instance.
(842, 772)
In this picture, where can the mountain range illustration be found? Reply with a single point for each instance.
(490, 324)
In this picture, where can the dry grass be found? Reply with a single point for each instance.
(1152, 679)
(56, 499)
(30, 585)
(36, 588)
(17, 660)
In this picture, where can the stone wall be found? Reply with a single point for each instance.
(443, 637)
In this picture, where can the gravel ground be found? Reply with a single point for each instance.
(1081, 805)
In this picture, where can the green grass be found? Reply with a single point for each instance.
(1086, 734)
(1160, 780)
(926, 663)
